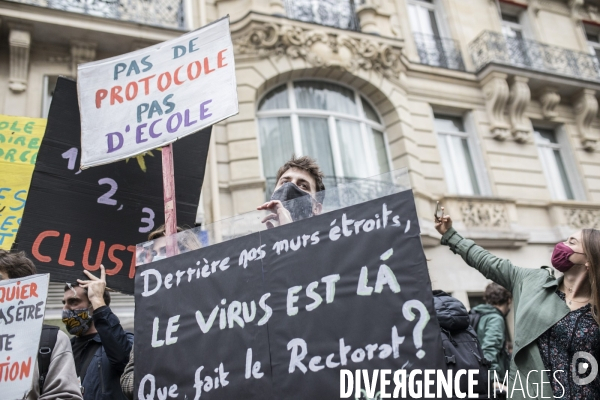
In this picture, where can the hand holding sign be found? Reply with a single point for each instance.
(95, 287)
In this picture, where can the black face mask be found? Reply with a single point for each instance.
(301, 207)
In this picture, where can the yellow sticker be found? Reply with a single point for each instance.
(20, 140)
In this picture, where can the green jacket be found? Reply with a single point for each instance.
(492, 334)
(536, 309)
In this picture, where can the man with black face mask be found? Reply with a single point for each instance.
(298, 192)
(100, 347)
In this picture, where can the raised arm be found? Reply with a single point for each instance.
(500, 270)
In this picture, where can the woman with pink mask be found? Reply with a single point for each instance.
(557, 339)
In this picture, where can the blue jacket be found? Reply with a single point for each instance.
(102, 379)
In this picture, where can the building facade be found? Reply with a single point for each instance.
(491, 104)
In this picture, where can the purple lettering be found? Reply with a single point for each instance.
(170, 128)
(139, 132)
(187, 119)
(204, 111)
(152, 133)
(111, 143)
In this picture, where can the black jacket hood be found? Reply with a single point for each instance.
(451, 313)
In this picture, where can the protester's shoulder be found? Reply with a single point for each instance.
(63, 343)
(541, 275)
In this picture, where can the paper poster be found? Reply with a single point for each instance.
(146, 99)
(20, 139)
(22, 307)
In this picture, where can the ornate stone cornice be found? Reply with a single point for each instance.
(520, 95)
(19, 40)
(586, 107)
(81, 52)
(495, 89)
(578, 218)
(320, 47)
(549, 99)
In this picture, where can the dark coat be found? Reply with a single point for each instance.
(102, 379)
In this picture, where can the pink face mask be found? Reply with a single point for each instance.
(560, 257)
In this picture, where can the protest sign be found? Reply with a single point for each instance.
(20, 140)
(22, 307)
(151, 97)
(276, 314)
(76, 220)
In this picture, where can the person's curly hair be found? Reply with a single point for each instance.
(496, 295)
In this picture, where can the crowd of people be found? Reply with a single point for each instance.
(554, 317)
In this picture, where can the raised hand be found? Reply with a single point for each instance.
(279, 213)
(95, 287)
(443, 224)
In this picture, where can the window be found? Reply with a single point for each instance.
(433, 49)
(422, 17)
(456, 154)
(49, 86)
(328, 122)
(475, 299)
(512, 29)
(592, 34)
(337, 13)
(511, 26)
(553, 158)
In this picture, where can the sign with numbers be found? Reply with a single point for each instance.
(20, 139)
(151, 97)
(76, 220)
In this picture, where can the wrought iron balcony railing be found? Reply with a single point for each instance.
(372, 186)
(493, 47)
(337, 13)
(439, 52)
(163, 13)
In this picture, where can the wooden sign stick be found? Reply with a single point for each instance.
(169, 197)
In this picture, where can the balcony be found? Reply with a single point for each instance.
(162, 13)
(336, 13)
(495, 48)
(438, 52)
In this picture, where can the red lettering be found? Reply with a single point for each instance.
(220, 59)
(114, 95)
(62, 258)
(116, 260)
(100, 95)
(176, 76)
(146, 81)
(35, 249)
(14, 371)
(162, 87)
(132, 249)
(207, 69)
(128, 95)
(33, 290)
(25, 368)
(191, 76)
(86, 255)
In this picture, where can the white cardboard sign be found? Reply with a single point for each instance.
(151, 97)
(22, 307)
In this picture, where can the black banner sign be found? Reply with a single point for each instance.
(277, 314)
(76, 220)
